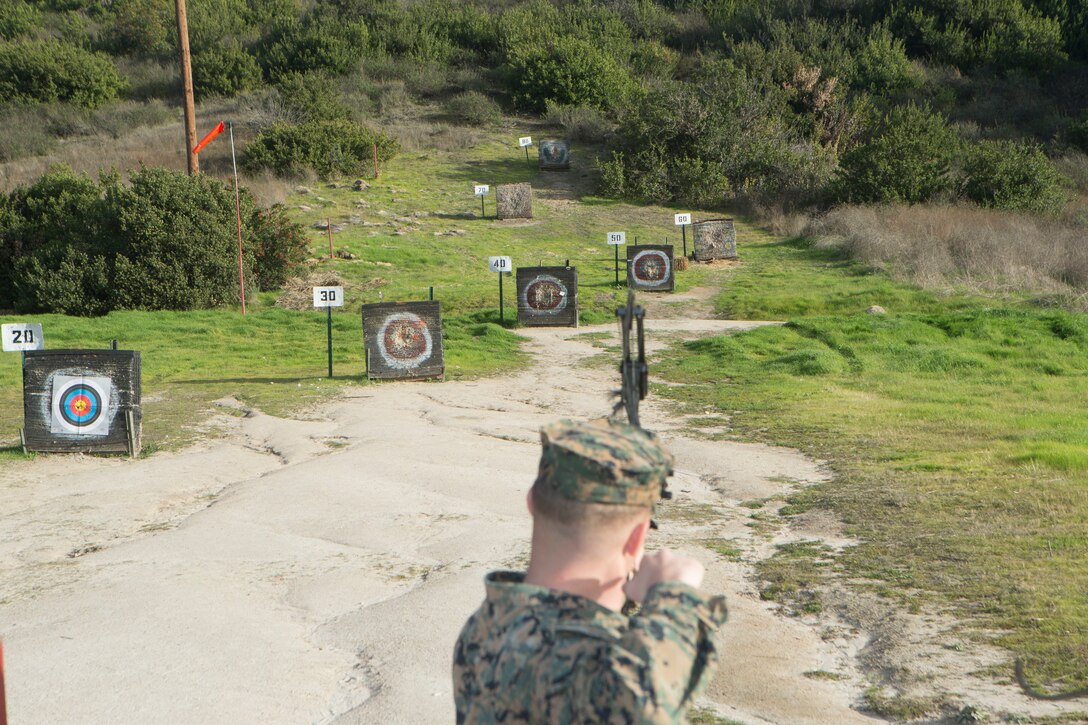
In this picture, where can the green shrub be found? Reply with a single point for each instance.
(1004, 34)
(279, 246)
(18, 18)
(907, 160)
(570, 72)
(50, 233)
(882, 64)
(328, 147)
(1077, 133)
(180, 240)
(140, 28)
(225, 69)
(310, 96)
(39, 71)
(473, 108)
(314, 43)
(581, 123)
(165, 241)
(1008, 175)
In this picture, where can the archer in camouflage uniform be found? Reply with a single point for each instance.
(551, 654)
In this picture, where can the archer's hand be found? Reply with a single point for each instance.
(663, 566)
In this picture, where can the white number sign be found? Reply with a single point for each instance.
(481, 189)
(617, 238)
(682, 219)
(328, 296)
(22, 336)
(525, 141)
(500, 264)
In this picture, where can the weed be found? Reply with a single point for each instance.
(725, 548)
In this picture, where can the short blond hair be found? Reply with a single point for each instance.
(553, 506)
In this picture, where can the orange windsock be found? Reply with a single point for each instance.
(207, 139)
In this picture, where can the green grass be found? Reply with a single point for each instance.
(957, 428)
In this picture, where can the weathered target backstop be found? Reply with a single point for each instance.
(403, 340)
(82, 401)
(514, 201)
(650, 267)
(714, 239)
(548, 296)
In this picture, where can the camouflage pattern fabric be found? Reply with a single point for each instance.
(603, 461)
(535, 655)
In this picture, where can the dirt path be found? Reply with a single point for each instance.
(319, 571)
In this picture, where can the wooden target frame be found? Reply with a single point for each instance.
(403, 340)
(548, 296)
(82, 401)
(651, 268)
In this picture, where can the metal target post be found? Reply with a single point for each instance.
(500, 265)
(617, 240)
(682, 221)
(329, 297)
(525, 142)
(481, 190)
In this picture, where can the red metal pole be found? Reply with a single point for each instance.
(238, 214)
(3, 700)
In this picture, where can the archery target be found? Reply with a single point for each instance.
(650, 267)
(547, 296)
(403, 340)
(80, 405)
(553, 155)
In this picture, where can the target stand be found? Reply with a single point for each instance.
(650, 268)
(403, 340)
(548, 296)
(82, 401)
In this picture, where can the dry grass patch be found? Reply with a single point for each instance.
(938, 246)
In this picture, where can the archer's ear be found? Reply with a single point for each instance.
(636, 539)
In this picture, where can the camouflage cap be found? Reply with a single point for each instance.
(603, 461)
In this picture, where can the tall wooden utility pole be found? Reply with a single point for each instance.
(187, 87)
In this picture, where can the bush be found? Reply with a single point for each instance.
(224, 70)
(166, 241)
(581, 123)
(40, 71)
(328, 147)
(473, 108)
(279, 246)
(1007, 175)
(908, 160)
(18, 18)
(315, 43)
(180, 242)
(569, 71)
(140, 28)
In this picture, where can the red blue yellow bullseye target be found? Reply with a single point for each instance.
(80, 405)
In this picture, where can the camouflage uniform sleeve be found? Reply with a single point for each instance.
(665, 658)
